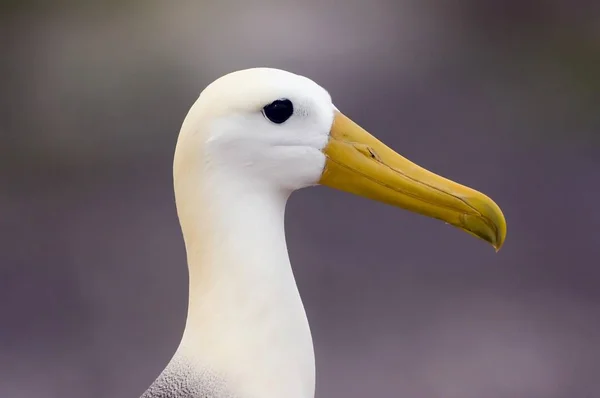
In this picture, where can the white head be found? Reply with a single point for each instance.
(265, 126)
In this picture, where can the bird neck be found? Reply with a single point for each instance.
(245, 317)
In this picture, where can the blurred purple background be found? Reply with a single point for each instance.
(501, 96)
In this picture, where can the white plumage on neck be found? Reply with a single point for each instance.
(245, 318)
(233, 176)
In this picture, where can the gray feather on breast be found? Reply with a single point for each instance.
(181, 380)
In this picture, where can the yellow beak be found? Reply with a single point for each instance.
(360, 164)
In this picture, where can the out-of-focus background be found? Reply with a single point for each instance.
(503, 96)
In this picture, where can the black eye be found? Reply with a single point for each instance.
(279, 111)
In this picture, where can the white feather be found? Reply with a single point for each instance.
(233, 173)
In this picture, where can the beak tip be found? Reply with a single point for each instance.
(489, 224)
(497, 247)
(492, 218)
(500, 240)
(500, 235)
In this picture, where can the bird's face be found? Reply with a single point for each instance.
(275, 129)
(271, 128)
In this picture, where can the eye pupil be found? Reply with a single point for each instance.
(279, 111)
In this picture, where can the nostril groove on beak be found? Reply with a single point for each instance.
(373, 154)
(367, 151)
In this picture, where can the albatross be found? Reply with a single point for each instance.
(251, 139)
